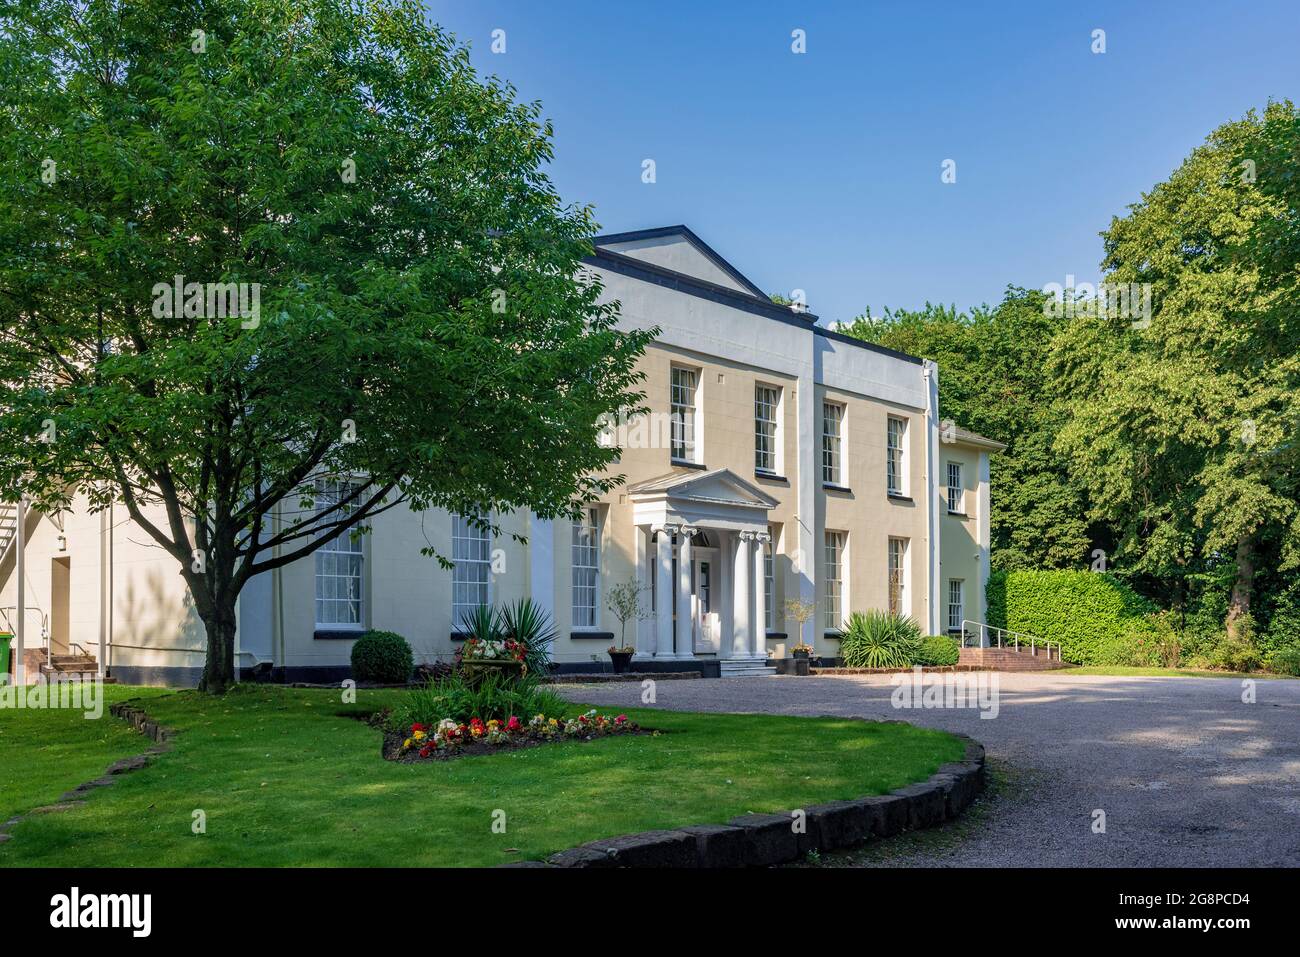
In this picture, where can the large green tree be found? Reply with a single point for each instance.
(1183, 429)
(991, 381)
(414, 312)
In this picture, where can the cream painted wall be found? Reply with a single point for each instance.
(961, 546)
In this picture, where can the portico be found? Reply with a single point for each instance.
(701, 542)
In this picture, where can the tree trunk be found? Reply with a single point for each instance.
(1242, 588)
(219, 668)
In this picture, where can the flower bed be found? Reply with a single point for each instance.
(448, 739)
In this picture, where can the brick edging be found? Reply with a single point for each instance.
(762, 840)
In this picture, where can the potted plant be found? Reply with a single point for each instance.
(801, 612)
(624, 600)
(620, 657)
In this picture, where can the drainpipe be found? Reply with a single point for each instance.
(20, 568)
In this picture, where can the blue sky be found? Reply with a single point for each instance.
(821, 171)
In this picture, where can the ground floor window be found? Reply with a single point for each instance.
(471, 577)
(769, 580)
(340, 562)
(586, 569)
(833, 609)
(956, 604)
(897, 575)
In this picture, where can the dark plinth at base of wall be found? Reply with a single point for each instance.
(764, 840)
(707, 667)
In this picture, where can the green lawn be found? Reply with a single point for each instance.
(1121, 671)
(285, 779)
(44, 753)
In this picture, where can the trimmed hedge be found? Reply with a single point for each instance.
(1092, 615)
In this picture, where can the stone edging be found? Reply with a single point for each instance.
(76, 797)
(580, 678)
(762, 840)
(925, 669)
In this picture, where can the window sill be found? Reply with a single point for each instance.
(832, 487)
(460, 635)
(777, 636)
(591, 636)
(683, 464)
(958, 514)
(833, 635)
(770, 476)
(895, 497)
(338, 634)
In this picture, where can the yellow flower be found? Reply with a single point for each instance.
(419, 736)
(406, 743)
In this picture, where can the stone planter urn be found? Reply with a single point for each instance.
(476, 669)
(620, 660)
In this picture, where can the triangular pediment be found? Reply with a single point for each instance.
(679, 250)
(716, 487)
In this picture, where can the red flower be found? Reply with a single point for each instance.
(426, 751)
(418, 727)
(513, 723)
(620, 719)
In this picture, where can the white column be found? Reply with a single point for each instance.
(644, 627)
(742, 608)
(760, 599)
(664, 594)
(685, 635)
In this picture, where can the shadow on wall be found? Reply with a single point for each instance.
(155, 624)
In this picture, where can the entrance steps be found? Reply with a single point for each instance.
(747, 667)
(72, 668)
(1012, 659)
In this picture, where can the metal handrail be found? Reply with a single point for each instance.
(1015, 636)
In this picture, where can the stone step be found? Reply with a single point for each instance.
(747, 669)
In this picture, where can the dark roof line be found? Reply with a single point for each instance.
(683, 230)
(691, 286)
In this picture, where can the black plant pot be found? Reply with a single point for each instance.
(620, 660)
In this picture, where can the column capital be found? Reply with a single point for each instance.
(670, 527)
(688, 529)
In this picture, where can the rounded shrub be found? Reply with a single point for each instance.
(382, 657)
(878, 639)
(938, 651)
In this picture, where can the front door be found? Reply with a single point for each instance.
(707, 625)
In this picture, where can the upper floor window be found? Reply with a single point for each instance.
(832, 443)
(954, 488)
(767, 403)
(956, 604)
(895, 461)
(586, 569)
(471, 576)
(897, 575)
(340, 562)
(685, 385)
(833, 614)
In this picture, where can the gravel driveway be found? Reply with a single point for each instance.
(1186, 773)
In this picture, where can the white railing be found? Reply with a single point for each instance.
(985, 632)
